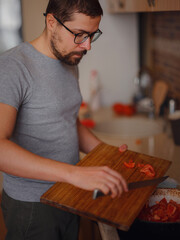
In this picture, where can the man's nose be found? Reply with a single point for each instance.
(86, 45)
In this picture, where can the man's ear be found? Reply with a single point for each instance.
(50, 21)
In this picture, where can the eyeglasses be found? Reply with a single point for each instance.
(81, 37)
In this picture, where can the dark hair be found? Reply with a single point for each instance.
(64, 9)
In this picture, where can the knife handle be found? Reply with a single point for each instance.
(97, 193)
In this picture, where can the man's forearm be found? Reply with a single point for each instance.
(87, 140)
(19, 162)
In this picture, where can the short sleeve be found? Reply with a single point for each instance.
(15, 89)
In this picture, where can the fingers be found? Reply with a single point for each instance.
(103, 178)
(117, 177)
(115, 182)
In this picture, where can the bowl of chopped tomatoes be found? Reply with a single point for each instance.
(163, 206)
(159, 218)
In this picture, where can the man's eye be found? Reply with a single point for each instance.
(81, 34)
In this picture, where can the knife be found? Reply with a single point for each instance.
(133, 185)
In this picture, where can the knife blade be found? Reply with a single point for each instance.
(133, 185)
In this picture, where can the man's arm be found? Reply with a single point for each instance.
(18, 161)
(87, 140)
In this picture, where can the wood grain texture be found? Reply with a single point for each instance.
(119, 212)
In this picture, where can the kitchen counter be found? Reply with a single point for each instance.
(159, 145)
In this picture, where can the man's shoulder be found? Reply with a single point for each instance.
(14, 56)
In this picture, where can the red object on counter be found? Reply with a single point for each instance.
(83, 104)
(88, 123)
(124, 109)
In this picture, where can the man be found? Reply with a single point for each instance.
(40, 134)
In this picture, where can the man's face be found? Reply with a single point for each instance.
(62, 41)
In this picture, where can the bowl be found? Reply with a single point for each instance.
(142, 229)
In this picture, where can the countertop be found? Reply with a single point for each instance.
(160, 145)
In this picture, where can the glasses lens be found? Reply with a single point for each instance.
(82, 37)
(95, 36)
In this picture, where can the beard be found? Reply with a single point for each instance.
(67, 58)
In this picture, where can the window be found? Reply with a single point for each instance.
(10, 24)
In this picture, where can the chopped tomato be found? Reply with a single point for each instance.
(148, 170)
(163, 202)
(130, 164)
(140, 165)
(171, 208)
(161, 212)
(123, 148)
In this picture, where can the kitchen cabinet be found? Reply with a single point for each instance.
(120, 6)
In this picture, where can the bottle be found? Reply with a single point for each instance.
(172, 106)
(95, 101)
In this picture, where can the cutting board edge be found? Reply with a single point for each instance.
(95, 217)
(83, 214)
(115, 147)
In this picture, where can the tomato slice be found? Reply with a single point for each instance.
(129, 164)
(171, 209)
(148, 170)
(140, 165)
(123, 148)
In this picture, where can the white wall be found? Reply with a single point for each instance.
(114, 55)
(33, 19)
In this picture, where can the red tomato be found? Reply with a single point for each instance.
(88, 123)
(118, 108)
(83, 104)
(148, 170)
(123, 109)
(128, 110)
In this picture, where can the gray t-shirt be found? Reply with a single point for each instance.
(46, 94)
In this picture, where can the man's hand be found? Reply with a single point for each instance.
(102, 178)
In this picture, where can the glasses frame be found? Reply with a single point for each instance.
(89, 35)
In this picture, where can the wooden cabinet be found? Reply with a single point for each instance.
(118, 6)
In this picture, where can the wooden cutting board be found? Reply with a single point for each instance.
(120, 212)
